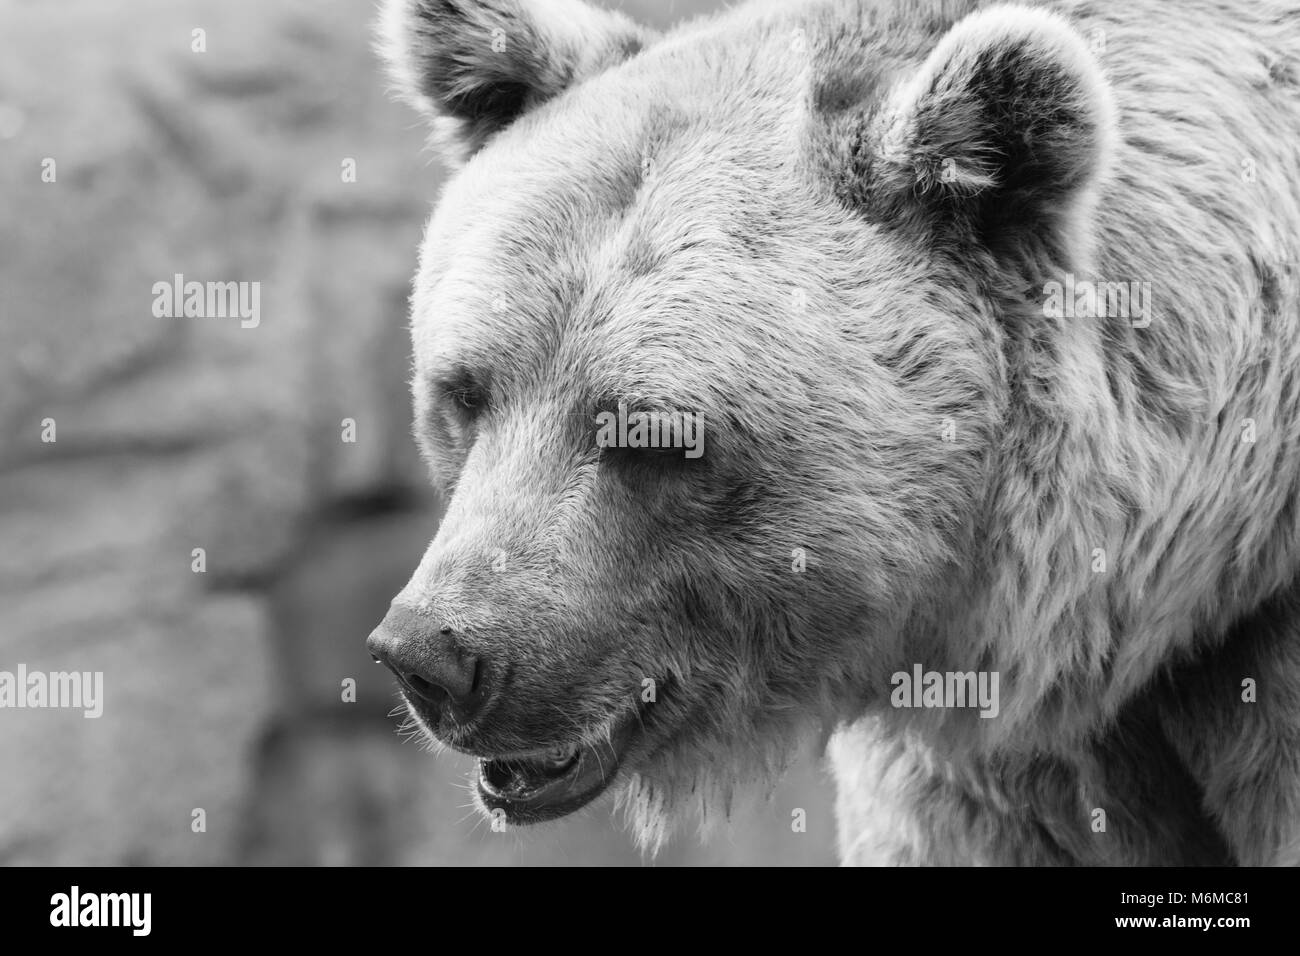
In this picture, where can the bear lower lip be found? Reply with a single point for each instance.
(548, 785)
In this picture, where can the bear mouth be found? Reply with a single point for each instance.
(552, 783)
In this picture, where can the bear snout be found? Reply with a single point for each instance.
(439, 675)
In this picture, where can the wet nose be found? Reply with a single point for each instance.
(430, 661)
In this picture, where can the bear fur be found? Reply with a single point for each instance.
(829, 228)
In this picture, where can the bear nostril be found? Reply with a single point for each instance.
(428, 690)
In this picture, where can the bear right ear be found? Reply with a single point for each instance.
(474, 66)
(998, 140)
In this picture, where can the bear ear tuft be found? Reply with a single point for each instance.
(474, 66)
(1000, 137)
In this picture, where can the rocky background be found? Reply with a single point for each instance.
(223, 689)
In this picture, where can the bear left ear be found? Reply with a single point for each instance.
(999, 138)
(474, 66)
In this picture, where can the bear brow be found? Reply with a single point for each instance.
(659, 403)
(456, 377)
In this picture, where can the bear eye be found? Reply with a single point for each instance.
(466, 395)
(641, 457)
(470, 399)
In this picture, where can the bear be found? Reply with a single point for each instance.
(988, 316)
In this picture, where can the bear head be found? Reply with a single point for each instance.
(804, 235)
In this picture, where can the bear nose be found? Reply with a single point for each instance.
(430, 662)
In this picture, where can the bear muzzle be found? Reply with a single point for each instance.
(449, 687)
